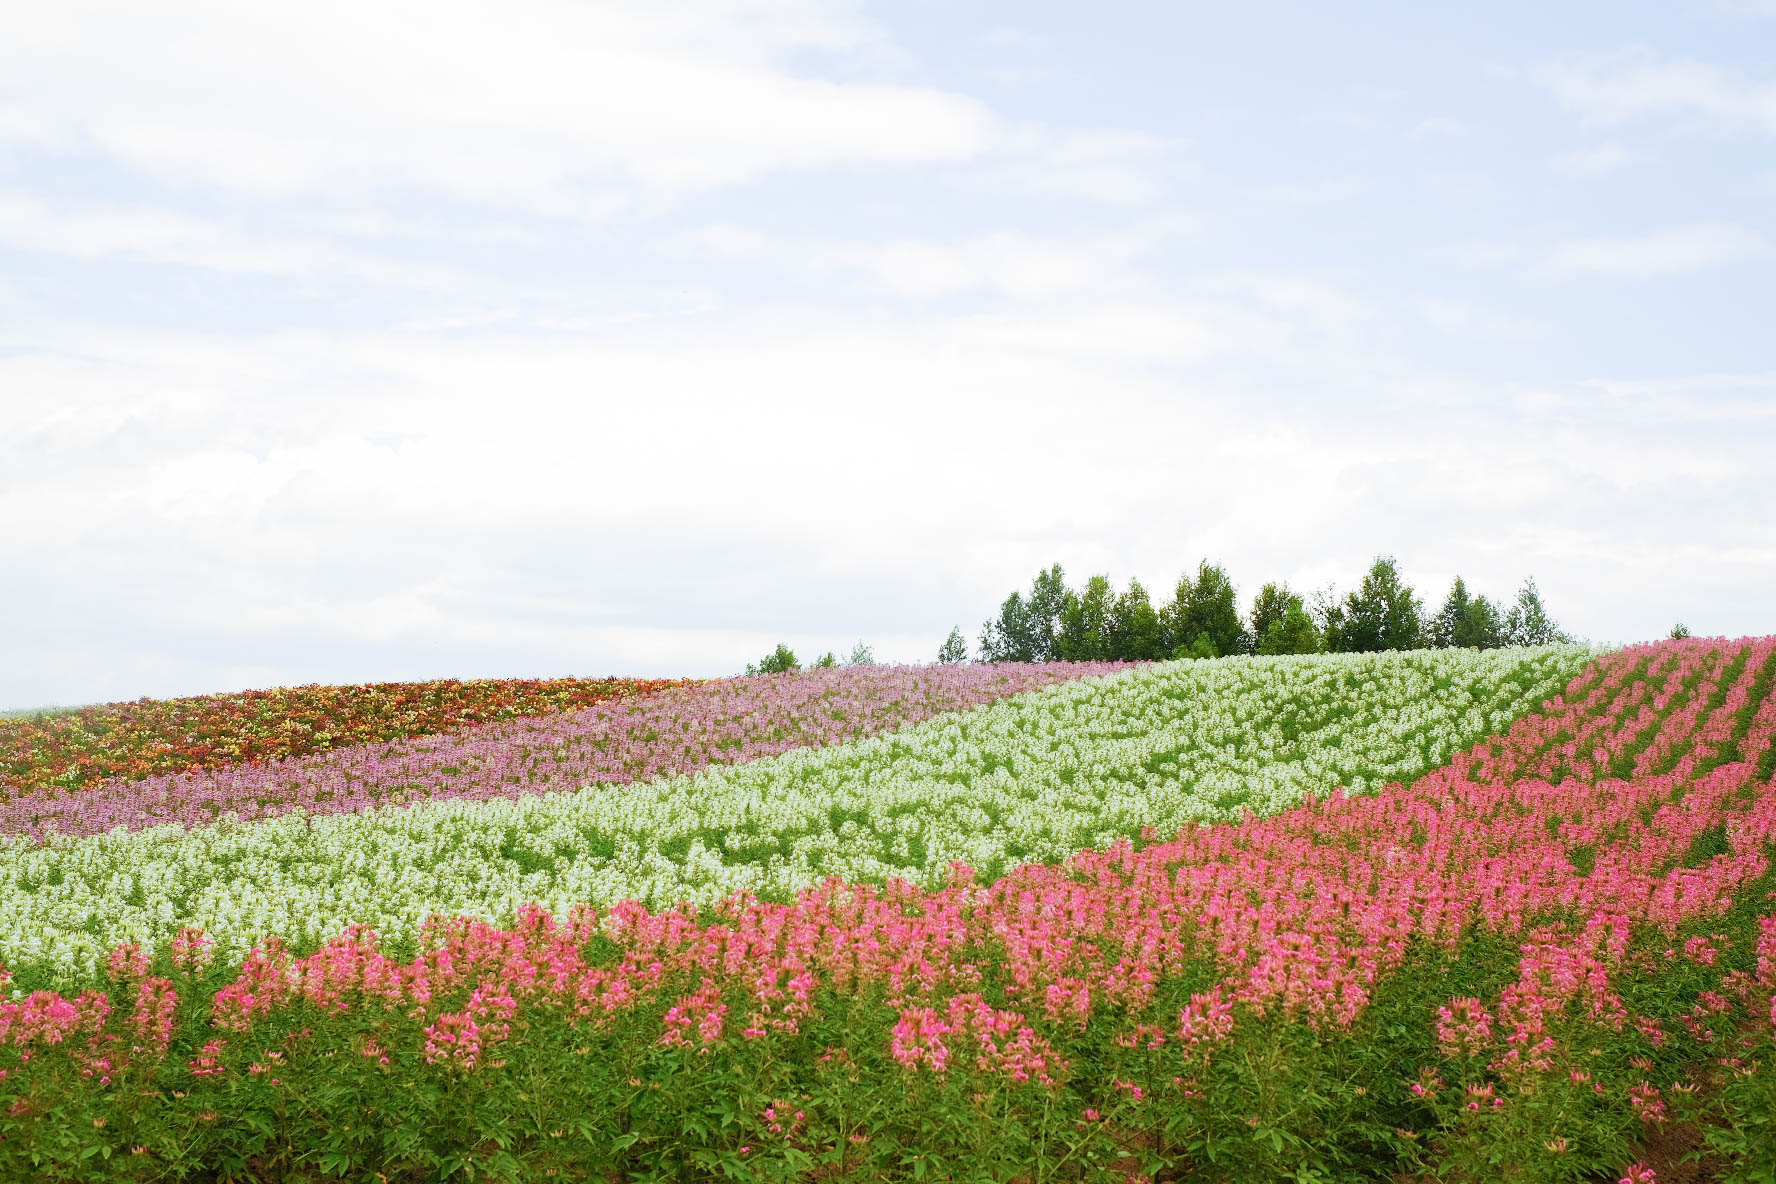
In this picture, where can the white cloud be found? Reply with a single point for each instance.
(87, 230)
(1021, 266)
(367, 505)
(1469, 320)
(1676, 251)
(1595, 161)
(1615, 88)
(656, 426)
(1117, 167)
(543, 103)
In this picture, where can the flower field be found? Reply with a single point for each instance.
(1086, 924)
(676, 729)
(129, 741)
(1031, 778)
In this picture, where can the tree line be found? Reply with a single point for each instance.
(1052, 622)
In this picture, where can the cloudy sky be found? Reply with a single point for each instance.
(346, 341)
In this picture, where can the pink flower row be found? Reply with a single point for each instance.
(1303, 914)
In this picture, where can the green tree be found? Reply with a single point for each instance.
(779, 661)
(1008, 638)
(1466, 622)
(1202, 647)
(1528, 622)
(1206, 606)
(826, 661)
(1025, 630)
(1679, 631)
(1382, 614)
(1174, 616)
(1048, 592)
(1452, 617)
(1292, 633)
(1268, 608)
(1481, 628)
(954, 650)
(1085, 623)
(1135, 633)
(861, 655)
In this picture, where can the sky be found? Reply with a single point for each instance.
(349, 342)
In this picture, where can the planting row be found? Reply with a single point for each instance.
(1673, 709)
(1031, 778)
(129, 741)
(1458, 980)
(677, 730)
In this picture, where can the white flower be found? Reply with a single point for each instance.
(1030, 778)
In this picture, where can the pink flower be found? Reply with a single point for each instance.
(1464, 1027)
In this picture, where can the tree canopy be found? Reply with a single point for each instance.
(1202, 619)
(778, 661)
(954, 649)
(1382, 614)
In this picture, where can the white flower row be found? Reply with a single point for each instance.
(1031, 778)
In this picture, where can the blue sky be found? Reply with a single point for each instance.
(344, 342)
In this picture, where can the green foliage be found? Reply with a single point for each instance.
(1450, 619)
(1679, 631)
(1085, 623)
(1738, 1117)
(1269, 607)
(1026, 629)
(1481, 627)
(1007, 637)
(954, 649)
(1048, 591)
(1382, 614)
(1202, 647)
(1528, 622)
(1293, 633)
(861, 655)
(1465, 622)
(779, 661)
(1051, 621)
(1203, 606)
(826, 661)
(1135, 632)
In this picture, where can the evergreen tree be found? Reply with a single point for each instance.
(1085, 623)
(1292, 633)
(1528, 622)
(954, 650)
(1134, 629)
(1481, 626)
(1466, 622)
(1452, 618)
(1382, 614)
